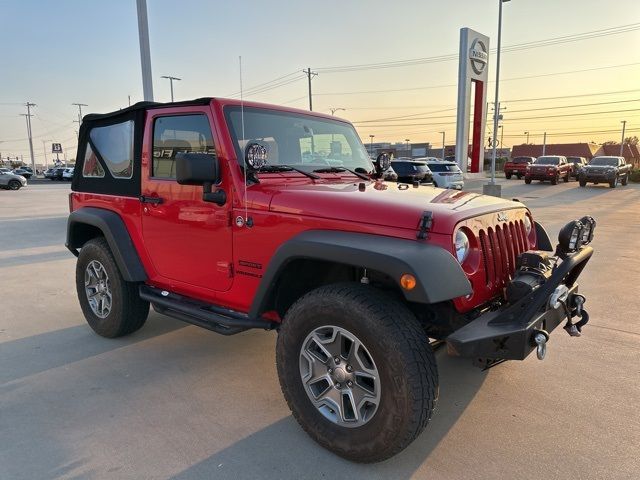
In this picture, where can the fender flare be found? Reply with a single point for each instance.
(116, 234)
(439, 275)
(543, 242)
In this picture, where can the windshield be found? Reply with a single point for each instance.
(299, 140)
(611, 162)
(443, 167)
(547, 161)
(521, 160)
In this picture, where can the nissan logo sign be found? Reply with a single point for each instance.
(478, 56)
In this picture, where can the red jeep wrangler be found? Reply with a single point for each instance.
(233, 216)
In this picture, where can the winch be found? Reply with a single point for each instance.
(533, 268)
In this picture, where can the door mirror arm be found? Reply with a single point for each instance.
(219, 197)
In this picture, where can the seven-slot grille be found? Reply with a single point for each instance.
(501, 245)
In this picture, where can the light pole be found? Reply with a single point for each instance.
(442, 144)
(408, 150)
(496, 104)
(544, 144)
(501, 136)
(527, 134)
(334, 110)
(44, 146)
(624, 126)
(145, 50)
(171, 79)
(371, 144)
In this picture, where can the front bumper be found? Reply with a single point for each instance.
(509, 332)
(597, 178)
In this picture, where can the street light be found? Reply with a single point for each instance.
(527, 134)
(408, 150)
(624, 126)
(501, 136)
(171, 79)
(371, 144)
(442, 144)
(497, 110)
(334, 110)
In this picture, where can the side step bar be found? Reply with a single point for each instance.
(216, 319)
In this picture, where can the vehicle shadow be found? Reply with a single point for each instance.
(37, 232)
(35, 258)
(38, 353)
(283, 449)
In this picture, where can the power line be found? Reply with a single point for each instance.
(512, 48)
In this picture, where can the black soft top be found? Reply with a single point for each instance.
(92, 117)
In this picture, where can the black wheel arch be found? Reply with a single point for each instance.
(336, 254)
(89, 222)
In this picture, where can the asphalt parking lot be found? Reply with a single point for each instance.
(178, 402)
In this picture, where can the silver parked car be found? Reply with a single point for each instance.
(11, 181)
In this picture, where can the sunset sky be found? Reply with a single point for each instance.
(58, 53)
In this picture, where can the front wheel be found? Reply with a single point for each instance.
(357, 371)
(527, 181)
(507, 176)
(14, 185)
(111, 305)
(566, 178)
(613, 183)
(583, 183)
(625, 179)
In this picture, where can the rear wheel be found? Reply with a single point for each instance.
(14, 185)
(527, 180)
(111, 305)
(583, 183)
(357, 371)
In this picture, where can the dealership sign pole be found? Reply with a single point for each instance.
(472, 71)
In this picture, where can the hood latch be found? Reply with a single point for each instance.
(426, 221)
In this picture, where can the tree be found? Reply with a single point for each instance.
(631, 140)
(609, 142)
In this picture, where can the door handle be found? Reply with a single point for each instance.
(153, 200)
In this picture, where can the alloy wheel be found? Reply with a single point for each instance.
(98, 289)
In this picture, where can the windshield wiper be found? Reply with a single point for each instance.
(342, 169)
(286, 168)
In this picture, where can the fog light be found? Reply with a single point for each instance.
(408, 281)
(588, 226)
(570, 236)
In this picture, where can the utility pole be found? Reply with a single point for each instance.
(544, 144)
(501, 135)
(145, 50)
(371, 145)
(310, 74)
(408, 149)
(527, 134)
(171, 79)
(624, 126)
(28, 116)
(80, 105)
(442, 144)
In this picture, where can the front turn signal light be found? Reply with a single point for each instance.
(408, 281)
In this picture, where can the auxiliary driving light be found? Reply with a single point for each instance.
(588, 226)
(570, 236)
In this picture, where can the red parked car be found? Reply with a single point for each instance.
(517, 166)
(549, 168)
(233, 216)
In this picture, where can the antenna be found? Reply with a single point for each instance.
(246, 208)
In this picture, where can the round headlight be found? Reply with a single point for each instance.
(527, 224)
(461, 245)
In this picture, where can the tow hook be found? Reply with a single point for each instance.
(540, 338)
(575, 329)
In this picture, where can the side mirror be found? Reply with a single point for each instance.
(382, 163)
(201, 169)
(197, 168)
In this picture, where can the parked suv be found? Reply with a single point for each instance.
(446, 174)
(410, 171)
(11, 181)
(225, 215)
(548, 167)
(517, 166)
(577, 164)
(611, 170)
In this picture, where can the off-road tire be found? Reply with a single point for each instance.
(625, 180)
(14, 185)
(507, 176)
(583, 183)
(128, 311)
(400, 350)
(527, 181)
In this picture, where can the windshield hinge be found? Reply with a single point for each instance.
(426, 221)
